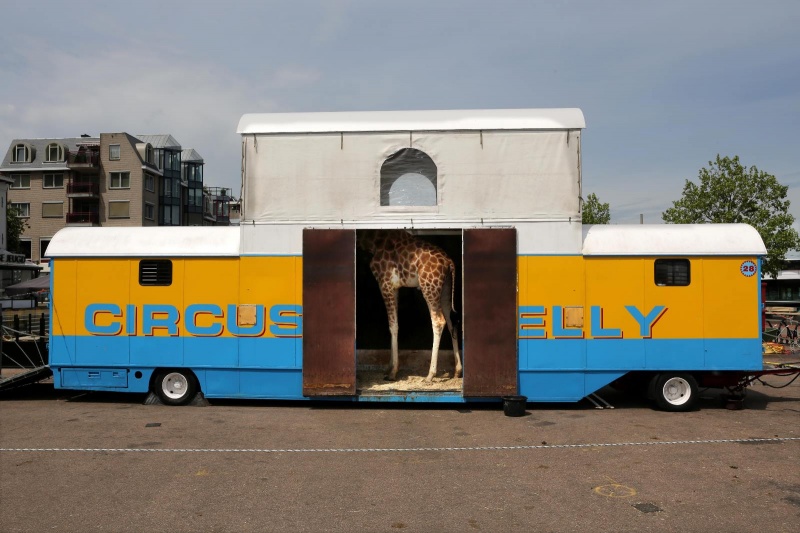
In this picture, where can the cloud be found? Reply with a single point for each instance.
(140, 91)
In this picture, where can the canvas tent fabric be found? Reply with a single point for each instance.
(30, 286)
(486, 166)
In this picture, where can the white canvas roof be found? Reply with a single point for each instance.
(449, 120)
(467, 167)
(673, 239)
(188, 241)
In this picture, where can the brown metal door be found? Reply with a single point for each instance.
(490, 312)
(329, 312)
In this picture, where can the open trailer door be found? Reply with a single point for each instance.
(490, 312)
(329, 327)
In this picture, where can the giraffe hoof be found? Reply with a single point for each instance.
(389, 378)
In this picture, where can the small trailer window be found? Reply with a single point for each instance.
(672, 272)
(155, 272)
(408, 178)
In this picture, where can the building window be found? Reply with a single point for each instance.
(43, 244)
(21, 154)
(53, 181)
(408, 178)
(120, 180)
(171, 215)
(149, 211)
(21, 181)
(672, 272)
(52, 209)
(113, 152)
(119, 209)
(23, 210)
(55, 153)
(148, 154)
(150, 182)
(196, 197)
(25, 248)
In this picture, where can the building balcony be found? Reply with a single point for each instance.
(83, 161)
(85, 218)
(83, 190)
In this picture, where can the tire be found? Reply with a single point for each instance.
(175, 387)
(675, 392)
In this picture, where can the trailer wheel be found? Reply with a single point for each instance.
(175, 387)
(675, 392)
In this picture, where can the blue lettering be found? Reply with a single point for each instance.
(160, 316)
(558, 325)
(597, 325)
(90, 319)
(190, 322)
(287, 320)
(255, 330)
(532, 327)
(646, 322)
(130, 320)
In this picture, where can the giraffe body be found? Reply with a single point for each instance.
(401, 260)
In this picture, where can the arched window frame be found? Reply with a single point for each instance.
(403, 162)
(54, 153)
(21, 153)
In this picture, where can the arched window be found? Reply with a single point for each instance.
(54, 153)
(21, 154)
(408, 178)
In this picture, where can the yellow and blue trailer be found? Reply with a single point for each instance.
(177, 310)
(281, 307)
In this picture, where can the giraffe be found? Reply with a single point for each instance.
(401, 260)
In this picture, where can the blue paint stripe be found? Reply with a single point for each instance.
(639, 354)
(194, 352)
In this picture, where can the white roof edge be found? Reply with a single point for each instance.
(183, 241)
(672, 240)
(444, 120)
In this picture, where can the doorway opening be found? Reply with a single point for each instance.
(415, 331)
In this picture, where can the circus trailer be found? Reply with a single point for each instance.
(432, 256)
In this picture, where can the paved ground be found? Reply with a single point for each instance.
(106, 462)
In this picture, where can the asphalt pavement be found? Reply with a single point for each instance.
(102, 462)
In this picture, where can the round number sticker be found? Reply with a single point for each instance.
(748, 268)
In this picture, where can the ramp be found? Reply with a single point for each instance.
(27, 377)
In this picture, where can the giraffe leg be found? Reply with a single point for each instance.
(390, 299)
(437, 323)
(393, 366)
(447, 305)
(454, 337)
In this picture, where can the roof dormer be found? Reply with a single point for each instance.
(54, 153)
(23, 153)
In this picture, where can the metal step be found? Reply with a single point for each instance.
(27, 377)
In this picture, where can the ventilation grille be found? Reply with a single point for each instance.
(155, 272)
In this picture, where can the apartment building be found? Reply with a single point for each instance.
(13, 268)
(116, 179)
(192, 176)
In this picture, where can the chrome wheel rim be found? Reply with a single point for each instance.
(175, 385)
(676, 391)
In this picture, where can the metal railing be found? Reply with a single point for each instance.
(83, 188)
(88, 157)
(83, 218)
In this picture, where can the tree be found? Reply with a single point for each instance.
(730, 193)
(15, 226)
(595, 212)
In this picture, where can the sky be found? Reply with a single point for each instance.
(664, 86)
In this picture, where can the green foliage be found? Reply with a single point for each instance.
(730, 193)
(15, 227)
(595, 212)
